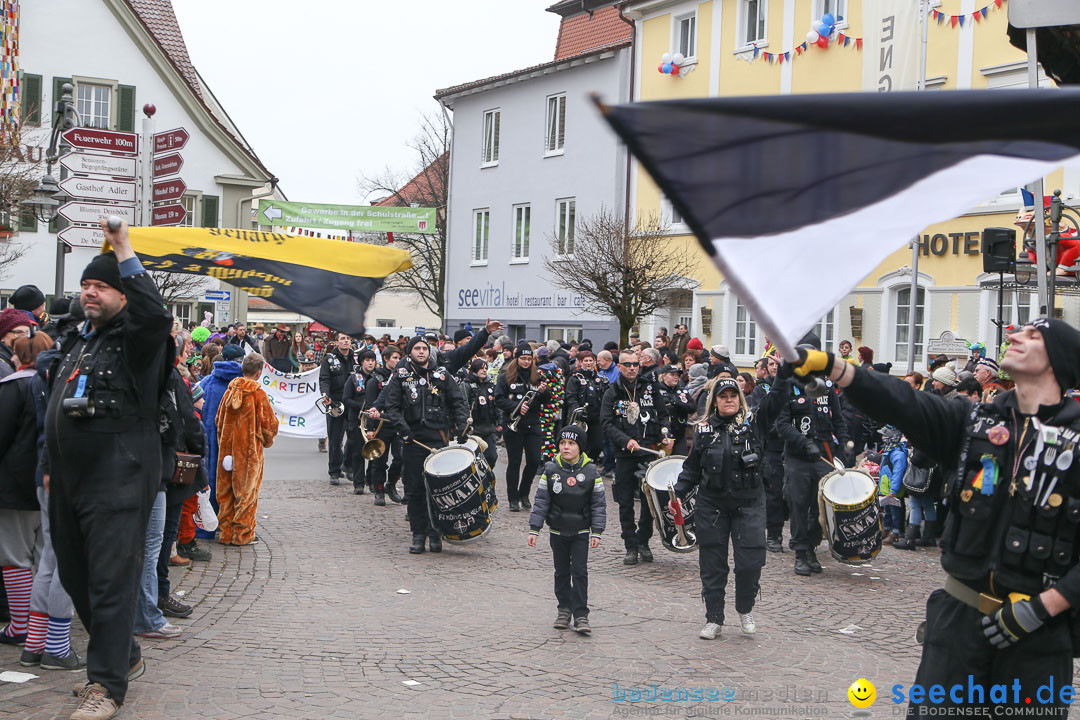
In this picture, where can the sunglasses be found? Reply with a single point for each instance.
(630, 364)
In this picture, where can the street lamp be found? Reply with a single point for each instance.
(47, 196)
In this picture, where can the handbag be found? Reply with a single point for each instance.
(187, 466)
(917, 480)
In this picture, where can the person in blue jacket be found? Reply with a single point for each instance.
(894, 462)
(225, 371)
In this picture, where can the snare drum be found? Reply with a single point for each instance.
(851, 516)
(659, 476)
(457, 494)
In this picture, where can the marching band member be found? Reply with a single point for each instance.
(424, 404)
(480, 396)
(570, 499)
(585, 388)
(633, 415)
(725, 465)
(517, 379)
(355, 399)
(772, 462)
(378, 469)
(679, 405)
(337, 365)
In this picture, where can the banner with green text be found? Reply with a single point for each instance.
(361, 218)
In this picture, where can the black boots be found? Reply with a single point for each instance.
(802, 565)
(929, 534)
(380, 499)
(908, 541)
(631, 557)
(774, 541)
(392, 489)
(645, 553)
(435, 543)
(417, 546)
(812, 561)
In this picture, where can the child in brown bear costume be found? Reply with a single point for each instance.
(246, 424)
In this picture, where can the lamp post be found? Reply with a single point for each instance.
(47, 196)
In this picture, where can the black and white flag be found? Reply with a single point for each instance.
(797, 198)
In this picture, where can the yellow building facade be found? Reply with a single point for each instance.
(737, 48)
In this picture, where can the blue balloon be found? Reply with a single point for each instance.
(824, 30)
(667, 68)
(828, 19)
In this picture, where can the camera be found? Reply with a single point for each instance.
(80, 407)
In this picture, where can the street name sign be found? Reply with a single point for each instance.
(167, 215)
(83, 212)
(170, 140)
(169, 190)
(89, 188)
(168, 165)
(106, 140)
(79, 236)
(363, 218)
(116, 166)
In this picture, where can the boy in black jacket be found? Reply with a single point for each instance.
(570, 498)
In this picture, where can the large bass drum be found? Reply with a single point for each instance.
(458, 494)
(850, 515)
(661, 475)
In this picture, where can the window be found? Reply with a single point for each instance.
(903, 317)
(562, 334)
(1017, 307)
(522, 217)
(556, 125)
(94, 103)
(754, 13)
(745, 331)
(838, 9)
(181, 311)
(188, 202)
(826, 330)
(564, 225)
(686, 35)
(670, 214)
(385, 322)
(481, 226)
(490, 153)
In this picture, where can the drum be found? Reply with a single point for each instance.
(476, 446)
(850, 515)
(458, 494)
(660, 477)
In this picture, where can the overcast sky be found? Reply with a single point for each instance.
(326, 90)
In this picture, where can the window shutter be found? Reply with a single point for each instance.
(31, 103)
(210, 211)
(57, 93)
(125, 108)
(27, 221)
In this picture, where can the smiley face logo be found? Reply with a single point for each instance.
(862, 693)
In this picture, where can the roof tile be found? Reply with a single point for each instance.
(583, 32)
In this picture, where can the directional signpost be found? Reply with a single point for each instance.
(346, 217)
(114, 166)
(90, 213)
(167, 215)
(167, 165)
(169, 190)
(170, 140)
(217, 295)
(93, 189)
(106, 140)
(167, 186)
(81, 236)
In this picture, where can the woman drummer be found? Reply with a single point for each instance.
(521, 423)
(725, 466)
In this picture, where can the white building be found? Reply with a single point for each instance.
(530, 155)
(121, 55)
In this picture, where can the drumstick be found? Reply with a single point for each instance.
(417, 442)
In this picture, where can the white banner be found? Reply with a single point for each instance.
(293, 397)
(890, 45)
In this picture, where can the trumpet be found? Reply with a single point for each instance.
(328, 407)
(516, 415)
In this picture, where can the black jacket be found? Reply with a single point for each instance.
(996, 541)
(374, 392)
(570, 499)
(454, 360)
(808, 424)
(679, 406)
(247, 340)
(21, 393)
(7, 360)
(727, 454)
(480, 395)
(423, 403)
(585, 387)
(509, 394)
(355, 397)
(653, 415)
(333, 373)
(189, 438)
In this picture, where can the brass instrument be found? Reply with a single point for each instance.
(328, 407)
(373, 447)
(516, 415)
(577, 417)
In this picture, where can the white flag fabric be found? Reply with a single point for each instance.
(890, 45)
(293, 396)
(797, 198)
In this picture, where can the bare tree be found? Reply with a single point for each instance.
(18, 178)
(178, 287)
(627, 275)
(426, 186)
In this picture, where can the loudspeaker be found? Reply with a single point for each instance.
(999, 250)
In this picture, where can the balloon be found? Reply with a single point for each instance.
(812, 37)
(824, 29)
(665, 58)
(674, 69)
(660, 67)
(667, 68)
(678, 59)
(828, 19)
(823, 42)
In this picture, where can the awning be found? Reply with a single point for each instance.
(316, 326)
(281, 316)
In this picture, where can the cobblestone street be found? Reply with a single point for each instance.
(310, 624)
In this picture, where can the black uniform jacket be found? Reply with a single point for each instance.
(807, 424)
(425, 403)
(653, 414)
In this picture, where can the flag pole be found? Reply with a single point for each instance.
(1037, 189)
(924, 29)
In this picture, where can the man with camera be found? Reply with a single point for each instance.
(102, 460)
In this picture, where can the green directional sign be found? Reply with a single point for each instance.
(362, 218)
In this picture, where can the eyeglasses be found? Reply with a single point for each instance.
(630, 364)
(22, 330)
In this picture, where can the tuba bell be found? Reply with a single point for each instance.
(328, 407)
(577, 417)
(373, 447)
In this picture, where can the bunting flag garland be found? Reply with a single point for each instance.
(954, 20)
(842, 40)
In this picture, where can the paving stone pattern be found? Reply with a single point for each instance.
(309, 624)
